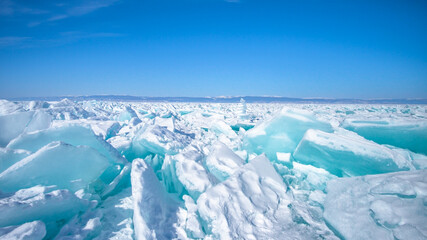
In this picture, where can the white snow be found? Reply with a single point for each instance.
(283, 157)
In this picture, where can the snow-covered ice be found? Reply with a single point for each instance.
(384, 206)
(28, 231)
(139, 170)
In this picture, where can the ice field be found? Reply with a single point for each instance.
(138, 170)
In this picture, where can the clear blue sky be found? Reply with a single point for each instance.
(335, 49)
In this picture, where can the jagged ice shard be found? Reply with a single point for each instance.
(138, 170)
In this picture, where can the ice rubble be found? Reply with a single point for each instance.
(116, 170)
(37, 203)
(68, 110)
(112, 219)
(253, 204)
(159, 140)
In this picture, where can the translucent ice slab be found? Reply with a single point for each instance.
(281, 133)
(346, 154)
(409, 134)
(60, 164)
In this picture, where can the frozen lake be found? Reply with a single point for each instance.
(147, 170)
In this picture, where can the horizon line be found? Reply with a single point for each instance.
(266, 98)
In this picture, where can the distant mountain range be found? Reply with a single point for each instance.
(222, 99)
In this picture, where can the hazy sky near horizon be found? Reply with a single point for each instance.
(334, 49)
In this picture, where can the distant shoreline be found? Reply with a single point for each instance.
(248, 99)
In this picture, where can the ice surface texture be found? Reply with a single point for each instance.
(384, 206)
(135, 170)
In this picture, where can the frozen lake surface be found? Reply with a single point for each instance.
(147, 170)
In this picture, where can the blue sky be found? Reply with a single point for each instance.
(333, 49)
